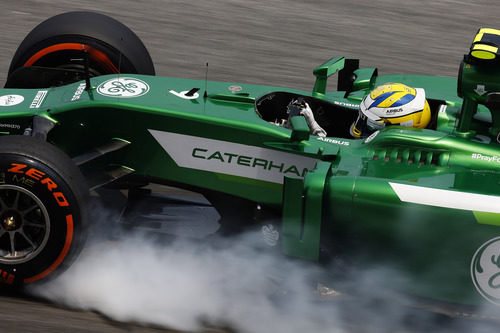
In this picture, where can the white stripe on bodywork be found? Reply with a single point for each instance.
(180, 147)
(447, 199)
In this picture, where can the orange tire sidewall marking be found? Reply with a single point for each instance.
(62, 255)
(95, 54)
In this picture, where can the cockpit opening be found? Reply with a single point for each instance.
(335, 119)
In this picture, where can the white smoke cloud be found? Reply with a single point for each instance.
(186, 284)
(236, 282)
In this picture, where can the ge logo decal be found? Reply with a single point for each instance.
(124, 87)
(9, 100)
(485, 270)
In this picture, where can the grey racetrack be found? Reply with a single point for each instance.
(275, 42)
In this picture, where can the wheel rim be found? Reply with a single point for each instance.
(24, 225)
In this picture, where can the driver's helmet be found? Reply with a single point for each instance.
(391, 104)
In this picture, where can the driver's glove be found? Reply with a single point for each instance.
(311, 122)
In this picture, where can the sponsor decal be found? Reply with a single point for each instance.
(11, 126)
(270, 234)
(123, 87)
(447, 199)
(392, 111)
(182, 94)
(485, 270)
(408, 123)
(480, 89)
(10, 100)
(478, 156)
(38, 100)
(235, 89)
(232, 158)
(349, 105)
(335, 141)
(79, 91)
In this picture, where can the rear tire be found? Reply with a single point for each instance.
(57, 42)
(42, 211)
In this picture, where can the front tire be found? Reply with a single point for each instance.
(42, 211)
(58, 42)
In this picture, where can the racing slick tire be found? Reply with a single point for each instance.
(58, 43)
(42, 211)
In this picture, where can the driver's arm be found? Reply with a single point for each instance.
(311, 122)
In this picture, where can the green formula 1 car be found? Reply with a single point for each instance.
(82, 111)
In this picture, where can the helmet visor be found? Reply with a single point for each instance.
(364, 126)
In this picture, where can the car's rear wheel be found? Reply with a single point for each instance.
(61, 42)
(42, 210)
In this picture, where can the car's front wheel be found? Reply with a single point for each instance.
(55, 51)
(42, 210)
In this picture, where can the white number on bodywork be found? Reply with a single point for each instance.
(182, 94)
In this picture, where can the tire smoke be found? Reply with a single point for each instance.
(237, 283)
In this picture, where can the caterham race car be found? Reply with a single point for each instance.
(83, 112)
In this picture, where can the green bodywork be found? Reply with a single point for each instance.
(364, 198)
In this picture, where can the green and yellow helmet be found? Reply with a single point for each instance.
(391, 104)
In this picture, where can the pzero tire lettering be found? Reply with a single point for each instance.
(37, 175)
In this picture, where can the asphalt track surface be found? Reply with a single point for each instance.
(275, 42)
